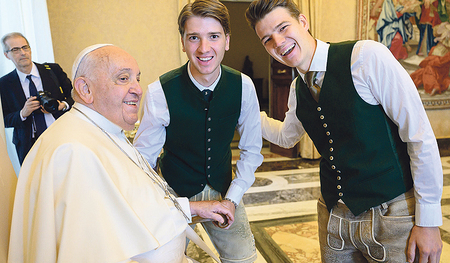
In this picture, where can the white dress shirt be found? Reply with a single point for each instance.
(151, 135)
(49, 119)
(380, 79)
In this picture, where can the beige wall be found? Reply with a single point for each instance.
(146, 29)
(8, 182)
(337, 20)
(331, 21)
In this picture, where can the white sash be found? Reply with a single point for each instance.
(190, 233)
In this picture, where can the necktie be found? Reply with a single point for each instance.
(310, 78)
(207, 94)
(38, 116)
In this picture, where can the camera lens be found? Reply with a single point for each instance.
(50, 104)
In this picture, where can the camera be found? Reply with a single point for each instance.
(50, 104)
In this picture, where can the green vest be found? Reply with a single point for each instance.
(364, 162)
(197, 148)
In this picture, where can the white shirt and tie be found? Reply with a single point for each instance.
(49, 119)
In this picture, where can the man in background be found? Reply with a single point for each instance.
(19, 92)
(192, 112)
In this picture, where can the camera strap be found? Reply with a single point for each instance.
(55, 79)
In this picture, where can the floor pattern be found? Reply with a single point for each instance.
(281, 208)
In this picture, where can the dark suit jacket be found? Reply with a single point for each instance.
(13, 100)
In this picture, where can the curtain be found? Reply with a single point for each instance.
(29, 17)
(311, 8)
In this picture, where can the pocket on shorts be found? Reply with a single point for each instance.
(396, 221)
(400, 210)
(393, 227)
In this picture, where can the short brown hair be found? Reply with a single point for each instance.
(260, 8)
(205, 8)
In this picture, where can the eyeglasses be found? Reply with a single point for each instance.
(16, 50)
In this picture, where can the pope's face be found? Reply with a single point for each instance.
(205, 43)
(287, 38)
(117, 92)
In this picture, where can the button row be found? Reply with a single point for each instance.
(330, 141)
(208, 167)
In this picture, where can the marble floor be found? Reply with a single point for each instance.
(281, 208)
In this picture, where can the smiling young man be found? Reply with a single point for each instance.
(192, 113)
(381, 175)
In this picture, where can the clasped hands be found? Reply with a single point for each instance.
(220, 212)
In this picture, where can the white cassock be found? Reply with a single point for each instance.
(79, 198)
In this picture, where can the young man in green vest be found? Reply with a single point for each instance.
(192, 113)
(380, 162)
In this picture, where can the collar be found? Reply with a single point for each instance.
(101, 121)
(200, 86)
(34, 72)
(319, 61)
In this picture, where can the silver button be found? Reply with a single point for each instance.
(209, 158)
(339, 178)
(209, 175)
(331, 149)
(209, 140)
(206, 109)
(208, 167)
(202, 185)
(322, 117)
(333, 167)
(331, 158)
(209, 129)
(209, 149)
(330, 141)
(325, 125)
(319, 108)
(339, 187)
(341, 194)
(209, 119)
